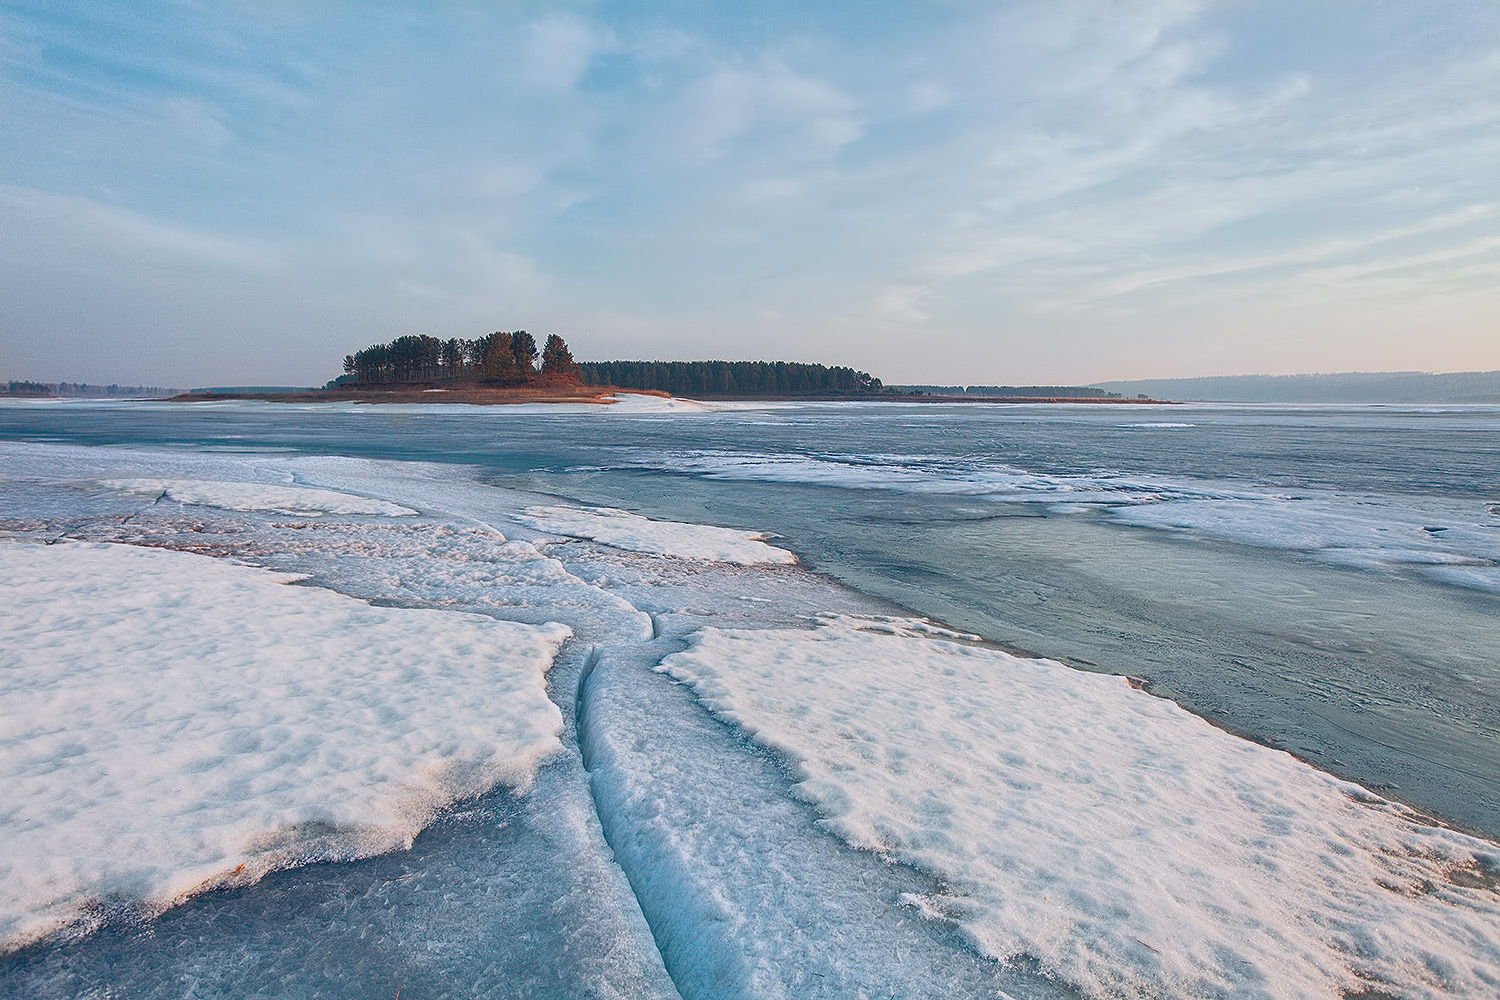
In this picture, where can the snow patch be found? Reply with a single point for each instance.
(173, 722)
(305, 500)
(1129, 846)
(632, 402)
(624, 530)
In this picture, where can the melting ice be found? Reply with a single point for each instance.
(775, 786)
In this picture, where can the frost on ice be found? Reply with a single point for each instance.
(259, 496)
(1127, 845)
(172, 722)
(624, 530)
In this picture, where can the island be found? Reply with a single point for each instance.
(507, 367)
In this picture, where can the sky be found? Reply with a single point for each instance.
(1061, 192)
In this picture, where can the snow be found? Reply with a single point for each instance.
(257, 496)
(635, 402)
(173, 722)
(746, 897)
(1126, 845)
(624, 530)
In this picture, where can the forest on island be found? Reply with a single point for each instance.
(510, 357)
(687, 378)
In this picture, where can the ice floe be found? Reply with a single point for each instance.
(1125, 844)
(624, 530)
(173, 722)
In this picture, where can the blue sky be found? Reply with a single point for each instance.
(219, 193)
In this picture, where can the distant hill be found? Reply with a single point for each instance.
(1344, 387)
(1001, 391)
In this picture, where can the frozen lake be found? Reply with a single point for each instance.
(764, 776)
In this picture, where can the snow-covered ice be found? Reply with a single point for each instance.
(173, 722)
(625, 530)
(1127, 845)
(1059, 819)
(257, 496)
(622, 403)
(746, 896)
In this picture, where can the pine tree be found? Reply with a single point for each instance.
(556, 358)
(499, 356)
(523, 348)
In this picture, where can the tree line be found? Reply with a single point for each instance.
(728, 377)
(419, 358)
(24, 387)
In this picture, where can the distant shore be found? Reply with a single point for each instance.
(1026, 399)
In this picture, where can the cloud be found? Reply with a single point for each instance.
(113, 231)
(560, 49)
(1306, 253)
(195, 121)
(762, 109)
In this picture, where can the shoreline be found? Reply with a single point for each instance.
(473, 395)
(604, 396)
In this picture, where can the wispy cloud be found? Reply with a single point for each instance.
(559, 49)
(134, 236)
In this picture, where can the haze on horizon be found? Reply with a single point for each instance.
(197, 193)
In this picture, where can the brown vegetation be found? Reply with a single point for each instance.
(538, 389)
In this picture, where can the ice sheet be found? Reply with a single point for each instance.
(1127, 845)
(1455, 540)
(256, 496)
(451, 556)
(906, 473)
(173, 722)
(1357, 531)
(625, 530)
